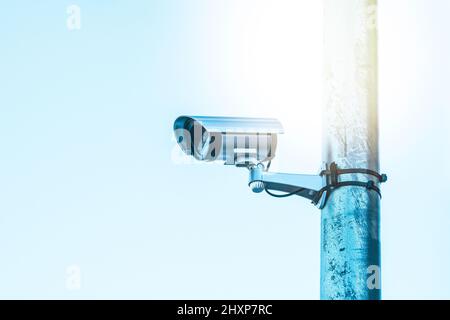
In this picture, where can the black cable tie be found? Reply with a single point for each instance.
(333, 172)
(370, 184)
(333, 182)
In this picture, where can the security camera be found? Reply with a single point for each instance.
(234, 140)
(251, 143)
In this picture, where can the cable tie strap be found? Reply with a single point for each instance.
(333, 181)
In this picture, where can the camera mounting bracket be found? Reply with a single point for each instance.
(316, 188)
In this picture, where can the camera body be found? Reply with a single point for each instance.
(234, 140)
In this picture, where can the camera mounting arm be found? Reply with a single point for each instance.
(316, 188)
(306, 186)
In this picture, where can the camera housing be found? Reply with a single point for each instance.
(235, 140)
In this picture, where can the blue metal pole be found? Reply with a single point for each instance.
(350, 243)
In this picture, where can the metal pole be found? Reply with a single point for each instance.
(350, 243)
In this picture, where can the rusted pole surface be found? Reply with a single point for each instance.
(350, 243)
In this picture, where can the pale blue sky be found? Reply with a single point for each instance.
(89, 173)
